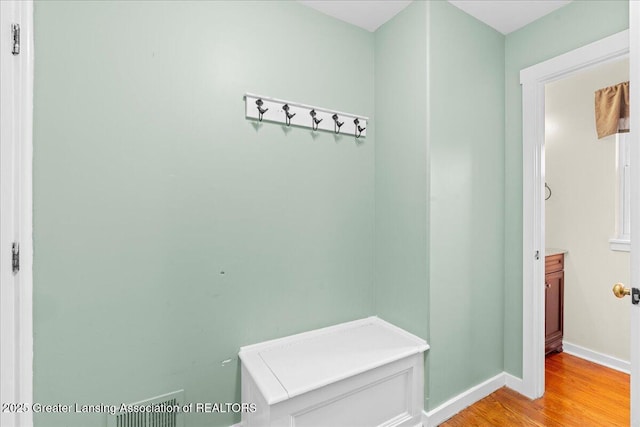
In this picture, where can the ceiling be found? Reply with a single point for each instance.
(503, 15)
(367, 14)
(508, 15)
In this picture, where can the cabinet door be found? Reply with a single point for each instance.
(554, 301)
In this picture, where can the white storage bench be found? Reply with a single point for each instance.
(363, 373)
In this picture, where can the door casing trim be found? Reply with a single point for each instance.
(16, 115)
(533, 80)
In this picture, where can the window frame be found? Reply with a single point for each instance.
(622, 239)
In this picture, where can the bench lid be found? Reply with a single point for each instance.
(290, 366)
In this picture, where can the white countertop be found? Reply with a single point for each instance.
(555, 251)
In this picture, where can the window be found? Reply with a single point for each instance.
(622, 239)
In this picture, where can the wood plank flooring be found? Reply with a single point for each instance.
(578, 393)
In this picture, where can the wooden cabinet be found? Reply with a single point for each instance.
(554, 302)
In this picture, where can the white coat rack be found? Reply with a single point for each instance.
(289, 113)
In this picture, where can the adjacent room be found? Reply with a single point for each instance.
(587, 215)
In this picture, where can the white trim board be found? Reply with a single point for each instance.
(533, 80)
(476, 393)
(634, 77)
(596, 357)
(456, 404)
(16, 81)
(465, 399)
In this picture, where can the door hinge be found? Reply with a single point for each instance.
(15, 32)
(15, 258)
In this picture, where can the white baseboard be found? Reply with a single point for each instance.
(595, 357)
(514, 383)
(467, 398)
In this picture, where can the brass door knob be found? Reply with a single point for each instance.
(620, 291)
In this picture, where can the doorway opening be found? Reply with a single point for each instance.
(534, 80)
(586, 227)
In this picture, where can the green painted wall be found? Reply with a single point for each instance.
(149, 184)
(169, 230)
(472, 293)
(401, 269)
(573, 26)
(401, 188)
(439, 205)
(466, 145)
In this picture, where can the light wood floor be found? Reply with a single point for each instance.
(578, 393)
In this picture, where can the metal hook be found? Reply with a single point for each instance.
(336, 123)
(287, 115)
(314, 122)
(261, 110)
(359, 129)
(547, 188)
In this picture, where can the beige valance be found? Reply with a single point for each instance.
(612, 110)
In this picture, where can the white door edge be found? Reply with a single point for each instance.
(634, 135)
(16, 128)
(533, 80)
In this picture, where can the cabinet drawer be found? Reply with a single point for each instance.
(553, 263)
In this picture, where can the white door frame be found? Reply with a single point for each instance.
(634, 74)
(533, 80)
(16, 123)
